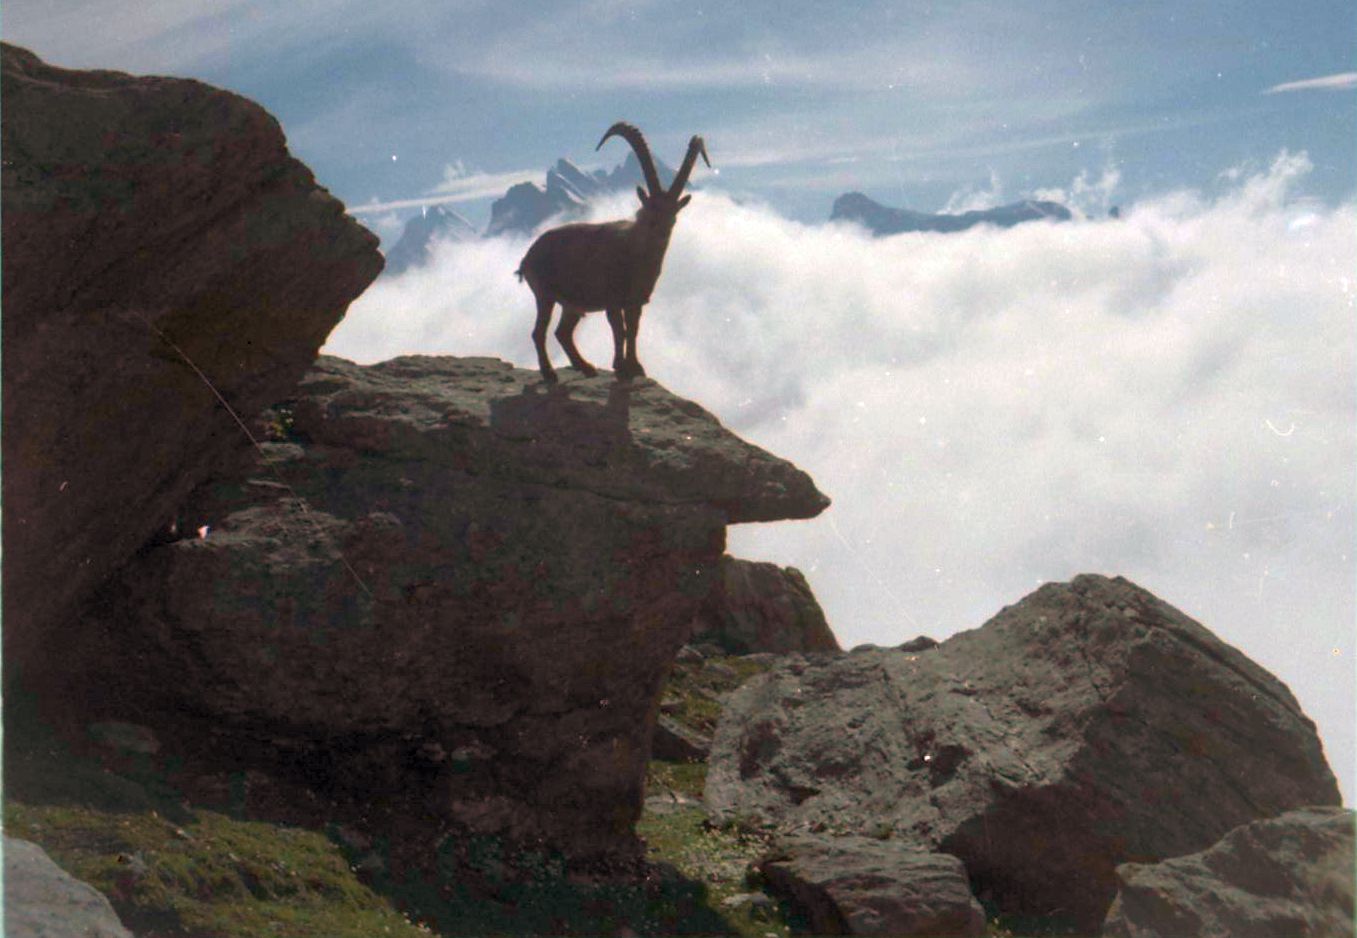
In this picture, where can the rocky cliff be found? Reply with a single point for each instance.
(162, 254)
(450, 597)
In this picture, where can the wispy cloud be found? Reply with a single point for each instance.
(1339, 82)
(463, 184)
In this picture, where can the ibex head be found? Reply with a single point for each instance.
(659, 206)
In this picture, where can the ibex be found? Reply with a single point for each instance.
(611, 267)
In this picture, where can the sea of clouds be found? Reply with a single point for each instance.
(1170, 396)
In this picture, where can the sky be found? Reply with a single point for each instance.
(1170, 396)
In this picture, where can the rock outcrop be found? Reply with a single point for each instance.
(44, 901)
(1089, 725)
(157, 237)
(455, 593)
(861, 886)
(883, 220)
(1278, 878)
(761, 607)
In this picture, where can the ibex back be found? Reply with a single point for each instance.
(611, 267)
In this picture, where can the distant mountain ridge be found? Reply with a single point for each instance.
(436, 223)
(521, 210)
(568, 191)
(883, 220)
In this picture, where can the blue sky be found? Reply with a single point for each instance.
(799, 102)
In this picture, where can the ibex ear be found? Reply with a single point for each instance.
(684, 201)
(641, 194)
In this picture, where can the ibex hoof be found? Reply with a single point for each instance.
(589, 371)
(549, 375)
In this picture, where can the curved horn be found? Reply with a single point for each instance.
(695, 146)
(638, 143)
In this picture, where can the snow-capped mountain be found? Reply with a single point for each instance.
(436, 223)
(884, 220)
(568, 190)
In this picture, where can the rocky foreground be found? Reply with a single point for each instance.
(1087, 726)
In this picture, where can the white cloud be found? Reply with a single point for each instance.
(974, 200)
(1168, 396)
(467, 184)
(1339, 82)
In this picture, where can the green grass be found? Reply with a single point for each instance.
(211, 876)
(179, 870)
(718, 859)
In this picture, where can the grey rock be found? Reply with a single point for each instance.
(922, 643)
(862, 886)
(760, 905)
(761, 607)
(719, 671)
(463, 604)
(1278, 878)
(140, 212)
(675, 742)
(44, 901)
(689, 655)
(1088, 725)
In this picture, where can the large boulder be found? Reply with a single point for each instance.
(454, 597)
(1278, 878)
(1089, 725)
(164, 255)
(44, 901)
(761, 607)
(861, 886)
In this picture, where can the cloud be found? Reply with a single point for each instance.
(458, 185)
(1340, 82)
(1168, 396)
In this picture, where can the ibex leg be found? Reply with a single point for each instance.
(539, 337)
(619, 337)
(565, 334)
(633, 326)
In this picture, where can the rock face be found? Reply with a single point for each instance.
(457, 594)
(140, 212)
(44, 901)
(761, 607)
(883, 220)
(1286, 876)
(861, 886)
(1089, 725)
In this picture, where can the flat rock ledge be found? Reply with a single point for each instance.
(449, 597)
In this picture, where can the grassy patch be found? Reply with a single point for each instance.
(212, 876)
(697, 688)
(678, 778)
(718, 859)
